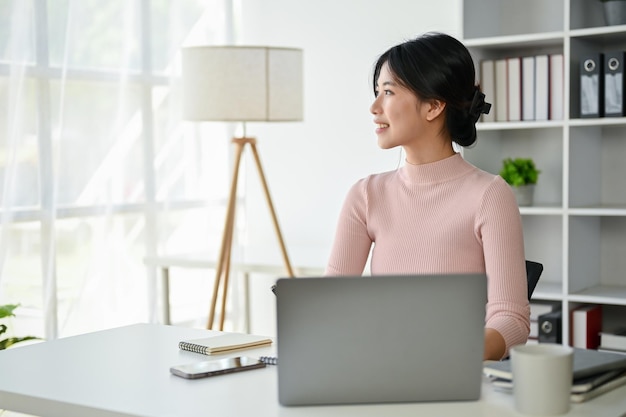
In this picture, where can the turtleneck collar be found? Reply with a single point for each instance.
(439, 171)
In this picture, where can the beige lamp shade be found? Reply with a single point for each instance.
(242, 83)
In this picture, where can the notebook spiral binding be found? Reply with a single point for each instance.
(269, 360)
(192, 347)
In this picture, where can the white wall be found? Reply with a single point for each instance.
(310, 165)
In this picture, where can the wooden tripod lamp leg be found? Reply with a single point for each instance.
(223, 266)
(224, 256)
(271, 207)
(225, 281)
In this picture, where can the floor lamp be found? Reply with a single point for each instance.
(241, 84)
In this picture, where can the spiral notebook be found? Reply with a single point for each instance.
(224, 343)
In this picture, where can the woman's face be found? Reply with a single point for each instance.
(399, 115)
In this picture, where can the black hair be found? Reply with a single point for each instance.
(438, 66)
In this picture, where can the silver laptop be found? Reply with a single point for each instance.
(353, 340)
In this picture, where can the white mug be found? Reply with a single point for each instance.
(542, 378)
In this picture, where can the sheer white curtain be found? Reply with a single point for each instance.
(97, 170)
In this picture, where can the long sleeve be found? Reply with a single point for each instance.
(352, 242)
(501, 234)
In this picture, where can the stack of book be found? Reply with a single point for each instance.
(523, 88)
(613, 341)
(594, 373)
(586, 326)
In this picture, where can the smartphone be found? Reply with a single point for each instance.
(216, 367)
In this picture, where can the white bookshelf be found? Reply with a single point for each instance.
(577, 225)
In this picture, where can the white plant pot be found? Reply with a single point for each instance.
(524, 194)
(614, 12)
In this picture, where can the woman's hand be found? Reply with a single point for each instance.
(494, 345)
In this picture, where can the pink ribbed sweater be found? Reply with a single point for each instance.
(444, 217)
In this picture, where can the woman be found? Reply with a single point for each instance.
(437, 213)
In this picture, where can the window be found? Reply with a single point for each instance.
(97, 169)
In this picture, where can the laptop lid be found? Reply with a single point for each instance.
(377, 339)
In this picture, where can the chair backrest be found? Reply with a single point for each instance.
(533, 272)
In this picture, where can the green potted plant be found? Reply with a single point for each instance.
(7, 311)
(521, 174)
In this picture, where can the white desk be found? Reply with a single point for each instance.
(125, 372)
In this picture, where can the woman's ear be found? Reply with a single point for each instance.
(435, 109)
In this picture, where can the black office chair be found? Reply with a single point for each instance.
(533, 272)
